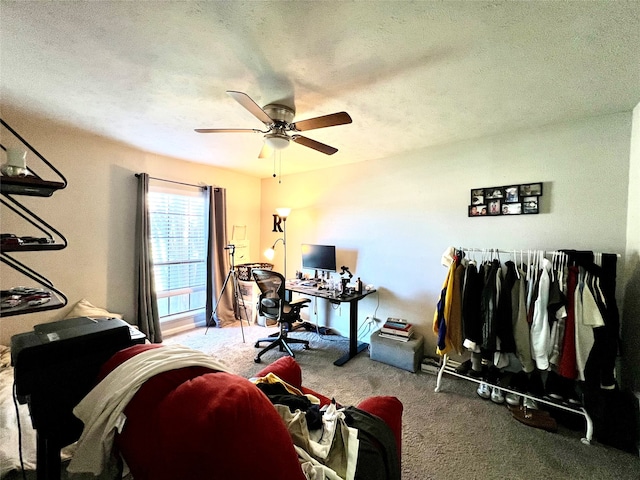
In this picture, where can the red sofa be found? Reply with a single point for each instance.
(193, 423)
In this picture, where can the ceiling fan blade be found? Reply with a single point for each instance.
(228, 130)
(266, 151)
(246, 101)
(307, 142)
(331, 120)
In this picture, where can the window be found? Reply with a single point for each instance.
(178, 218)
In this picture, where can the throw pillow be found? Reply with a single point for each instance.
(85, 309)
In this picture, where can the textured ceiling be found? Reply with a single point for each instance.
(410, 74)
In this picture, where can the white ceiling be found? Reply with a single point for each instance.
(410, 74)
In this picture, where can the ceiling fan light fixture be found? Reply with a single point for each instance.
(276, 141)
(277, 120)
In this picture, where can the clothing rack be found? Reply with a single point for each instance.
(532, 256)
(449, 370)
(519, 251)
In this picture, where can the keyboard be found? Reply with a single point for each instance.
(305, 283)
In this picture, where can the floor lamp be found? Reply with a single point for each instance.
(283, 213)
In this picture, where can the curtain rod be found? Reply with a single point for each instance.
(465, 249)
(173, 181)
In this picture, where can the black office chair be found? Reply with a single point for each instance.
(272, 304)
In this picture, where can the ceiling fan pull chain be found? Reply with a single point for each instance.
(274, 164)
(279, 167)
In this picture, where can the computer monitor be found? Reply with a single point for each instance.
(319, 257)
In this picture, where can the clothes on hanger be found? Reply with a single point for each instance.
(520, 325)
(443, 326)
(556, 313)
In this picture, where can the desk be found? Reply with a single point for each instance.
(355, 347)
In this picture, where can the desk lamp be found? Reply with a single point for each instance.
(283, 213)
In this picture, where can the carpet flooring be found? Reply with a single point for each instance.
(452, 434)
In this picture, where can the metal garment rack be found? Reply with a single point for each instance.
(530, 254)
(444, 368)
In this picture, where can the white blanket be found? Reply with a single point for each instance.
(101, 410)
(9, 453)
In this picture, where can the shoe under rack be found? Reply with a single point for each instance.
(448, 366)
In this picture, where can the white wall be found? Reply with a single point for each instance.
(391, 219)
(96, 213)
(631, 309)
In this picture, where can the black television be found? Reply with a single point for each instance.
(319, 257)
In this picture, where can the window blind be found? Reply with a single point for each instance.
(178, 242)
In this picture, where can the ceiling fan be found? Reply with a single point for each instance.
(277, 118)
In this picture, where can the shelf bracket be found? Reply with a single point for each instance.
(28, 272)
(34, 220)
(35, 152)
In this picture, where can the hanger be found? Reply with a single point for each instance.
(598, 258)
(472, 256)
(536, 264)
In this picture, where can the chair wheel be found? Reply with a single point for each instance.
(257, 360)
(257, 345)
(305, 346)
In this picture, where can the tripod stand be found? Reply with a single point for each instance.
(237, 293)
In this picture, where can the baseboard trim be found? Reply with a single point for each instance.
(168, 332)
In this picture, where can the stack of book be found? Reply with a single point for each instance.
(397, 329)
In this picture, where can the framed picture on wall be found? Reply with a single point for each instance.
(477, 210)
(477, 196)
(512, 194)
(513, 199)
(531, 189)
(530, 205)
(511, 209)
(494, 192)
(495, 207)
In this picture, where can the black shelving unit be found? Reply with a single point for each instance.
(32, 186)
(35, 186)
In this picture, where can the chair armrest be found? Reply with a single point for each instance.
(287, 369)
(299, 301)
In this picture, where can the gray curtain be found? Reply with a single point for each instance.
(217, 261)
(147, 306)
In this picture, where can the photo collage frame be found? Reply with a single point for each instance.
(517, 199)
